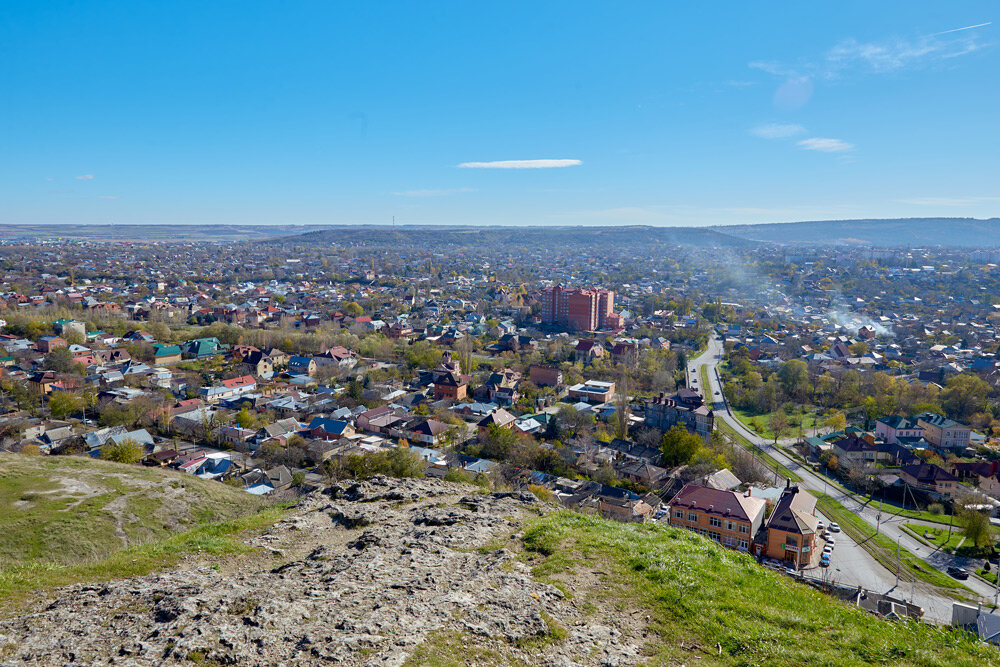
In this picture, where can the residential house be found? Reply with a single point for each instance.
(895, 429)
(943, 432)
(930, 478)
(792, 527)
(545, 376)
(728, 517)
(586, 350)
(166, 354)
(593, 391)
(46, 344)
(686, 408)
(299, 365)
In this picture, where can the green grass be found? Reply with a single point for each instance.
(71, 510)
(759, 423)
(23, 581)
(65, 519)
(711, 606)
(936, 537)
(884, 550)
(767, 458)
(922, 515)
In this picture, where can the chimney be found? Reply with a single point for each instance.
(788, 482)
(749, 492)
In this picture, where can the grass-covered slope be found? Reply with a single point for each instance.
(72, 510)
(719, 605)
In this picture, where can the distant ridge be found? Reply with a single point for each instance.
(895, 232)
(957, 232)
(582, 237)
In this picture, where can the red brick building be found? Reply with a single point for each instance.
(578, 309)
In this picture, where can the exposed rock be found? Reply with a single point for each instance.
(400, 560)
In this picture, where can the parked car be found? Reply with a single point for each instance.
(824, 561)
(831, 543)
(958, 572)
(827, 550)
(834, 527)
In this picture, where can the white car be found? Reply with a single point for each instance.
(830, 544)
(834, 528)
(819, 527)
(828, 549)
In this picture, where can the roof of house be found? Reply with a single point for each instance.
(719, 502)
(794, 512)
(928, 473)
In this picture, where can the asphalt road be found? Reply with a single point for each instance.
(850, 564)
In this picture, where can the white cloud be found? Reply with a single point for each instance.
(825, 145)
(85, 177)
(433, 193)
(777, 130)
(521, 164)
(881, 56)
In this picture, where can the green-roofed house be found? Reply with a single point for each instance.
(200, 348)
(166, 354)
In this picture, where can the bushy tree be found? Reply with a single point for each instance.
(679, 446)
(126, 450)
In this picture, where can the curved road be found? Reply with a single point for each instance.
(851, 565)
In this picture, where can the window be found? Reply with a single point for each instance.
(730, 525)
(714, 535)
(692, 516)
(715, 521)
(744, 545)
(791, 540)
(729, 541)
(745, 529)
(679, 514)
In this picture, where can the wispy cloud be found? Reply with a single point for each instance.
(777, 130)
(433, 193)
(825, 145)
(84, 177)
(897, 53)
(881, 56)
(521, 164)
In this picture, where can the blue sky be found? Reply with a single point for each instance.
(648, 113)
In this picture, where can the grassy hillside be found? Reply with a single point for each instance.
(718, 605)
(73, 510)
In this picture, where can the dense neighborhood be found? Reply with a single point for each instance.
(289, 367)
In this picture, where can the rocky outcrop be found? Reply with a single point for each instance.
(376, 568)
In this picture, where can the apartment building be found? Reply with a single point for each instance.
(730, 518)
(578, 309)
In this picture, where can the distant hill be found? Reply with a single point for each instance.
(583, 237)
(959, 232)
(151, 232)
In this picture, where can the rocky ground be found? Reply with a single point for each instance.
(383, 572)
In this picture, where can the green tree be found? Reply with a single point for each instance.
(679, 446)
(976, 527)
(354, 309)
(794, 378)
(64, 403)
(126, 450)
(497, 443)
(837, 421)
(964, 395)
(60, 360)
